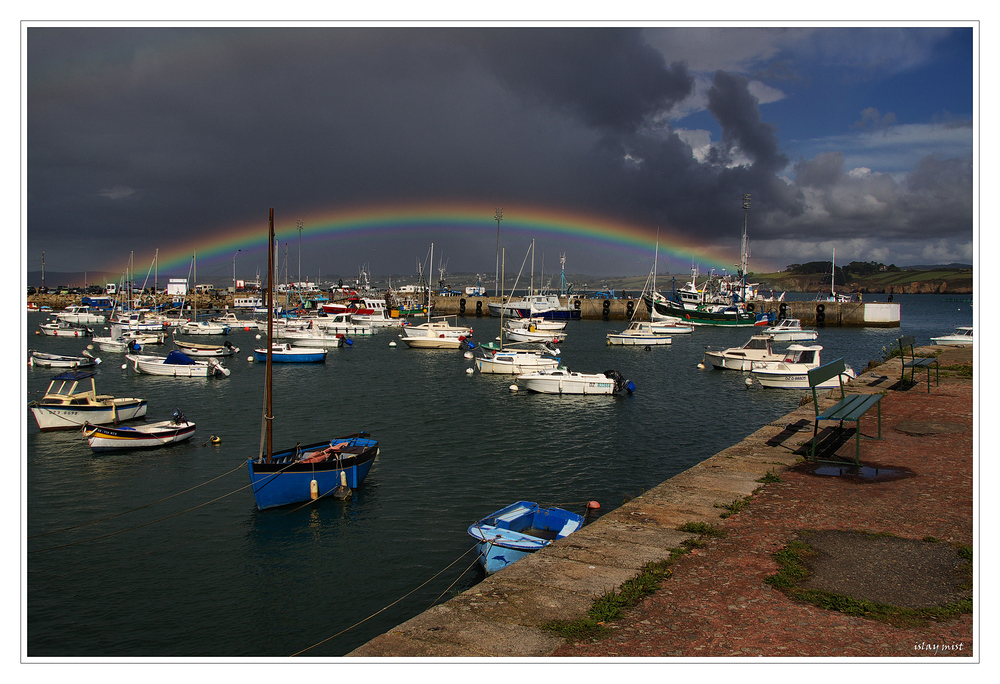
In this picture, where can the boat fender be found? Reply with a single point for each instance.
(313, 489)
(343, 491)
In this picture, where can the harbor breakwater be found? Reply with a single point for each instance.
(812, 313)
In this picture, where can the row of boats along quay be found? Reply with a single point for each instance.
(362, 503)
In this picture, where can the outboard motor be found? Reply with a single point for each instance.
(178, 417)
(620, 382)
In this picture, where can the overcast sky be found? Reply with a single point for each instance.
(858, 138)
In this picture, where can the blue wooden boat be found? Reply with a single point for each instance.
(286, 353)
(303, 473)
(513, 532)
(288, 476)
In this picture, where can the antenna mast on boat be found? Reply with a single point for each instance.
(268, 415)
(745, 245)
(496, 282)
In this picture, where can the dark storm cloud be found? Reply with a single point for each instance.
(738, 112)
(143, 137)
(608, 79)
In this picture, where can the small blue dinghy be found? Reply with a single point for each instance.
(511, 533)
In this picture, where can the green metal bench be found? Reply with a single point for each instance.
(850, 408)
(916, 362)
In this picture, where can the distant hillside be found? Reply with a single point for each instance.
(934, 280)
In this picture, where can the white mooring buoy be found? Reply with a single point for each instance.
(513, 388)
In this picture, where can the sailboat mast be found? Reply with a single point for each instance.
(833, 274)
(431, 269)
(532, 290)
(268, 415)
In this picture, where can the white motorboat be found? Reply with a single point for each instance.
(80, 315)
(71, 400)
(204, 328)
(545, 323)
(757, 348)
(436, 334)
(962, 337)
(314, 338)
(46, 360)
(515, 361)
(790, 330)
(59, 328)
(639, 334)
(670, 325)
(116, 344)
(235, 323)
(792, 372)
(203, 350)
(564, 381)
(178, 365)
(341, 323)
(520, 330)
(137, 321)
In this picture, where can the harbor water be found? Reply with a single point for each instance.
(162, 553)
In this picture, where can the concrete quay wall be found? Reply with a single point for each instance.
(811, 313)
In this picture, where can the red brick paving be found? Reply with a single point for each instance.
(717, 603)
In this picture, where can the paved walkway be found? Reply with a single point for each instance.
(717, 603)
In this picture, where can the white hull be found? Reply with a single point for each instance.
(741, 363)
(58, 418)
(962, 337)
(204, 328)
(303, 340)
(429, 342)
(795, 378)
(790, 336)
(142, 437)
(205, 350)
(638, 339)
(567, 382)
(154, 365)
(523, 335)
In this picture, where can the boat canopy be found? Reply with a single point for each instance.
(179, 359)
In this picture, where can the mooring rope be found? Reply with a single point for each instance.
(385, 608)
(139, 508)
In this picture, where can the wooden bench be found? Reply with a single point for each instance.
(850, 408)
(916, 362)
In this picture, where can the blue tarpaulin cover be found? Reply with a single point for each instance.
(178, 358)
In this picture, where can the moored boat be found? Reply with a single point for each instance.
(513, 532)
(286, 353)
(639, 334)
(162, 433)
(80, 315)
(790, 330)
(46, 360)
(792, 372)
(201, 350)
(59, 328)
(758, 348)
(962, 337)
(302, 474)
(72, 400)
(515, 360)
(177, 364)
(564, 381)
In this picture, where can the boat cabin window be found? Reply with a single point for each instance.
(756, 343)
(807, 356)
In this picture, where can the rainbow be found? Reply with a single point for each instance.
(676, 252)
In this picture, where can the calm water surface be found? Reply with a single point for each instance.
(163, 552)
